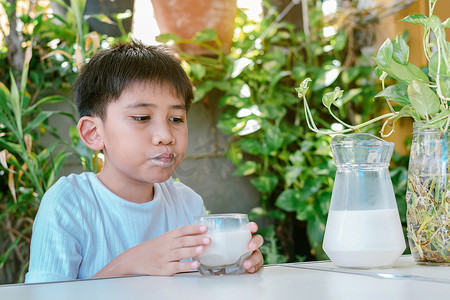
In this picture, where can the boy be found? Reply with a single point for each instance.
(130, 218)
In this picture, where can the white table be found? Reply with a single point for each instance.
(310, 280)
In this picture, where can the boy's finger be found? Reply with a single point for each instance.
(178, 267)
(184, 253)
(189, 230)
(253, 227)
(185, 266)
(256, 242)
(192, 241)
(254, 262)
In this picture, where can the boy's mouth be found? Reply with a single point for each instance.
(163, 159)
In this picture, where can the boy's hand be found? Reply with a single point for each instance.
(255, 261)
(161, 255)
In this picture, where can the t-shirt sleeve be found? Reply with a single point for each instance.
(55, 253)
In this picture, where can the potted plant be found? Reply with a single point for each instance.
(422, 95)
(187, 17)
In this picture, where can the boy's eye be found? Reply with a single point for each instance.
(141, 118)
(176, 120)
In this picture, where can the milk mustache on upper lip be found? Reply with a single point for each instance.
(163, 159)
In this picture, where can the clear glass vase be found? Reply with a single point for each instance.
(428, 197)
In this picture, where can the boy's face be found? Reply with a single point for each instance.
(144, 135)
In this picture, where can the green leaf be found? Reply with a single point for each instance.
(434, 64)
(446, 23)
(311, 187)
(400, 50)
(11, 147)
(206, 35)
(36, 122)
(289, 200)
(416, 19)
(272, 112)
(247, 168)
(45, 153)
(405, 74)
(122, 16)
(330, 97)
(434, 23)
(324, 199)
(326, 78)
(315, 229)
(234, 154)
(416, 73)
(198, 71)
(251, 146)
(239, 65)
(378, 72)
(11, 247)
(202, 89)
(303, 87)
(406, 112)
(384, 55)
(56, 166)
(397, 92)
(304, 211)
(349, 75)
(423, 99)
(233, 101)
(4, 96)
(273, 138)
(265, 183)
(15, 99)
(278, 76)
(167, 37)
(340, 40)
(291, 174)
(45, 100)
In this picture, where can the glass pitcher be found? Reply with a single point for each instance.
(363, 229)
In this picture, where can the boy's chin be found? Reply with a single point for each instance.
(159, 179)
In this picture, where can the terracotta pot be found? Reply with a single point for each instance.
(187, 17)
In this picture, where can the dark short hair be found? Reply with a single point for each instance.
(109, 72)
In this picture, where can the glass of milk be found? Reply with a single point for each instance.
(230, 236)
(363, 229)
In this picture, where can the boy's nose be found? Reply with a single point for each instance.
(162, 135)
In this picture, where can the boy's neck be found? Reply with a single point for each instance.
(130, 191)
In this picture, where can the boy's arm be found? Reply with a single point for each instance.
(161, 255)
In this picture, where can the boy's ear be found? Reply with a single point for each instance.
(90, 131)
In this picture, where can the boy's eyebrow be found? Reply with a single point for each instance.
(145, 104)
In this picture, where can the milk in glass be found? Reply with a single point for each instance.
(226, 247)
(230, 236)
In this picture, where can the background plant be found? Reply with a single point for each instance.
(41, 54)
(420, 94)
(290, 166)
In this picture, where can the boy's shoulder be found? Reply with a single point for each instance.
(67, 187)
(62, 200)
(71, 182)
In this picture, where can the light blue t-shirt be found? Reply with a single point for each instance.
(81, 225)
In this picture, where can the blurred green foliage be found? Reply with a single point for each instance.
(52, 49)
(289, 165)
